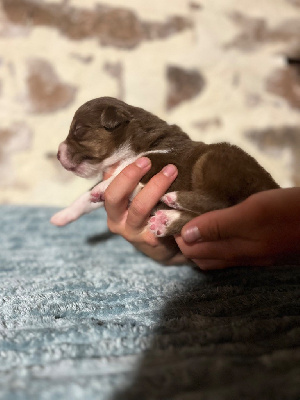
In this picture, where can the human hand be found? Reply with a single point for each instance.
(130, 220)
(261, 231)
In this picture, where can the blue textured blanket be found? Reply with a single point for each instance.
(83, 315)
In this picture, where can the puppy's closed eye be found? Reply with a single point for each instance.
(79, 130)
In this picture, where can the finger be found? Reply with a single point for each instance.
(222, 250)
(214, 225)
(208, 265)
(117, 193)
(231, 252)
(149, 196)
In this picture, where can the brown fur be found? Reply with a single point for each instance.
(210, 176)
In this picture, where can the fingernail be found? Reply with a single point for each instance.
(191, 235)
(142, 162)
(169, 170)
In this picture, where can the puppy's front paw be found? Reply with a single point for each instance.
(163, 223)
(63, 217)
(97, 193)
(97, 196)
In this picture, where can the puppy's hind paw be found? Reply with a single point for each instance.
(160, 223)
(171, 200)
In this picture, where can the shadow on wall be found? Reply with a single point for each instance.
(234, 336)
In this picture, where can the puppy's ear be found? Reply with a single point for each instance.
(112, 117)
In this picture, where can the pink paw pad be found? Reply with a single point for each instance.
(170, 199)
(97, 197)
(158, 223)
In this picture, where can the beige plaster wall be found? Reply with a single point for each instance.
(217, 68)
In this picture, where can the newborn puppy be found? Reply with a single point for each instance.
(106, 132)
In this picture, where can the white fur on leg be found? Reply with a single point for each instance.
(81, 206)
(97, 193)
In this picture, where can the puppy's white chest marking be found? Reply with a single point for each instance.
(123, 153)
(127, 156)
(97, 193)
(83, 204)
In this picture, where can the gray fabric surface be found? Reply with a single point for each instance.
(85, 316)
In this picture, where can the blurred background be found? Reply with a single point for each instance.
(222, 70)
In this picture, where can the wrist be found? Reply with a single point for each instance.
(165, 251)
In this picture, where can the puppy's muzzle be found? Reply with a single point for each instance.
(62, 156)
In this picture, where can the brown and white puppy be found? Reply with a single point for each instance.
(106, 132)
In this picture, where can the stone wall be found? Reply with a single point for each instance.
(222, 70)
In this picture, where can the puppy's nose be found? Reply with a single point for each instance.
(58, 155)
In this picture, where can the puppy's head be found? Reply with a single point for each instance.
(98, 129)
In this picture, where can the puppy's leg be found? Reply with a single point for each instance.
(97, 192)
(196, 202)
(81, 206)
(169, 222)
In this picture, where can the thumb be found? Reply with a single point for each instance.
(211, 226)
